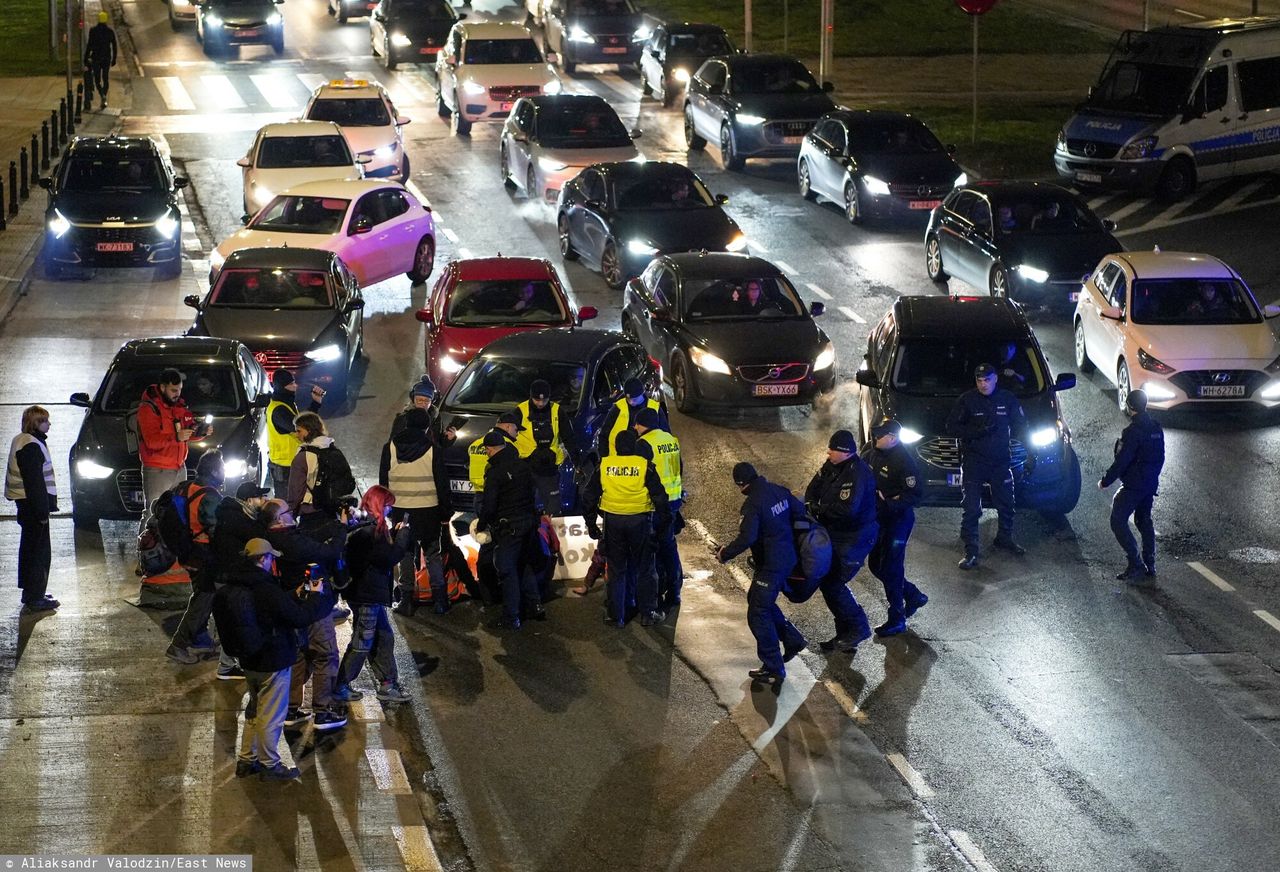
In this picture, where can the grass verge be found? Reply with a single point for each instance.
(1014, 141)
(24, 39)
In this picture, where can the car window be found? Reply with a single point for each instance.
(1259, 84)
(1211, 93)
(1044, 211)
(302, 214)
(660, 189)
(351, 111)
(882, 354)
(603, 7)
(836, 137)
(271, 289)
(944, 367)
(281, 152)
(502, 51)
(780, 77)
(393, 203)
(611, 376)
(580, 124)
(434, 9)
(893, 135)
(525, 116)
(368, 209)
(980, 215)
(961, 205)
(740, 299)
(713, 74)
(251, 372)
(593, 186)
(104, 175)
(487, 382)
(209, 389)
(1193, 301)
(701, 44)
(1117, 292)
(664, 289)
(504, 302)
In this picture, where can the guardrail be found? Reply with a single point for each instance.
(24, 173)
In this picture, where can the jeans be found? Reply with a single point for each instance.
(155, 482)
(629, 561)
(372, 639)
(667, 554)
(194, 625)
(511, 549)
(1000, 478)
(766, 621)
(424, 529)
(1128, 502)
(35, 556)
(97, 76)
(264, 717)
(279, 480)
(317, 661)
(888, 558)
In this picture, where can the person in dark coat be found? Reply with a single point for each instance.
(508, 513)
(29, 482)
(422, 396)
(1139, 457)
(100, 52)
(898, 490)
(622, 416)
(203, 496)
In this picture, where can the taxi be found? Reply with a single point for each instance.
(485, 67)
(368, 120)
(289, 153)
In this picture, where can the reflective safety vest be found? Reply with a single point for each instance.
(666, 460)
(413, 482)
(13, 486)
(478, 462)
(281, 447)
(622, 485)
(624, 419)
(526, 441)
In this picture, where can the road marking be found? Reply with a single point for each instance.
(388, 770)
(784, 266)
(913, 778)
(416, 850)
(1239, 196)
(851, 315)
(759, 247)
(274, 90)
(449, 235)
(366, 710)
(422, 198)
(817, 290)
(971, 852)
(312, 80)
(174, 95)
(224, 93)
(190, 243)
(1213, 577)
(1128, 209)
(1269, 618)
(465, 253)
(845, 701)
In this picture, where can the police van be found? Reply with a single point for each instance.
(1178, 105)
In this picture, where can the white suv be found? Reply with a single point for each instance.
(369, 122)
(485, 67)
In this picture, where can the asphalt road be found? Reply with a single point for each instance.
(1040, 715)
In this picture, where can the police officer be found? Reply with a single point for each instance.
(620, 417)
(507, 512)
(984, 419)
(282, 438)
(1138, 461)
(666, 459)
(626, 489)
(898, 489)
(766, 528)
(542, 440)
(842, 496)
(508, 427)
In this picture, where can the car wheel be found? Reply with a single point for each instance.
(1122, 384)
(933, 260)
(404, 169)
(645, 90)
(390, 58)
(341, 13)
(691, 137)
(682, 387)
(668, 94)
(728, 153)
(1083, 363)
(1069, 489)
(424, 260)
(566, 247)
(1177, 180)
(806, 184)
(442, 108)
(504, 167)
(461, 126)
(629, 328)
(531, 184)
(173, 22)
(52, 270)
(999, 284)
(852, 204)
(569, 66)
(83, 520)
(611, 266)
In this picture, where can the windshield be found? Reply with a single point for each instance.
(786, 77)
(603, 7)
(1151, 89)
(575, 125)
(506, 302)
(208, 390)
(1044, 213)
(1193, 301)
(740, 299)
(892, 136)
(284, 152)
(657, 190)
(944, 367)
(409, 9)
(702, 44)
(302, 215)
(502, 51)
(104, 175)
(504, 383)
(351, 111)
(271, 289)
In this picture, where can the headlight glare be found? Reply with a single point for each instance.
(642, 33)
(399, 40)
(474, 88)
(749, 119)
(212, 20)
(385, 151)
(1033, 274)
(1045, 436)
(961, 180)
(234, 467)
(577, 34)
(1271, 391)
(681, 75)
(262, 195)
(325, 353)
(708, 361)
(738, 243)
(875, 187)
(1158, 392)
(550, 165)
(555, 86)
(449, 365)
(907, 436)
(167, 225)
(58, 224)
(89, 469)
(825, 358)
(639, 246)
(275, 19)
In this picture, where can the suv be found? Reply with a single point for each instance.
(113, 201)
(594, 32)
(484, 68)
(920, 358)
(222, 25)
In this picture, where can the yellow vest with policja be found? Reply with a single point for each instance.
(281, 447)
(622, 488)
(478, 462)
(525, 441)
(666, 460)
(624, 420)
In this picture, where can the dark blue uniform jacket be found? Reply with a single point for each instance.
(765, 527)
(985, 424)
(1139, 456)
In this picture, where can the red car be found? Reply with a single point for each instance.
(482, 299)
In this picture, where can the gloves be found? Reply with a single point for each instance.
(593, 529)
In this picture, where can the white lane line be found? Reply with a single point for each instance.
(366, 710)
(1238, 197)
(274, 90)
(845, 701)
(174, 95)
(913, 778)
(1269, 618)
(449, 235)
(851, 315)
(222, 93)
(388, 770)
(1096, 202)
(1128, 209)
(311, 81)
(758, 247)
(190, 243)
(817, 290)
(465, 253)
(422, 198)
(784, 266)
(416, 850)
(1216, 580)
(971, 852)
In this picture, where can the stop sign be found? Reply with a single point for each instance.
(975, 7)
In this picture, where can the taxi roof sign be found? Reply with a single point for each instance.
(349, 83)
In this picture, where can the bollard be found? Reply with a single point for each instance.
(79, 102)
(13, 189)
(44, 145)
(23, 191)
(71, 112)
(53, 128)
(3, 223)
(62, 117)
(35, 163)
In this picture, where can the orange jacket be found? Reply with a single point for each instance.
(158, 425)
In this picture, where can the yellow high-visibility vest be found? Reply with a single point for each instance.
(666, 460)
(624, 420)
(622, 485)
(281, 447)
(525, 441)
(478, 462)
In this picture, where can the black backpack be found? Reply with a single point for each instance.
(172, 514)
(237, 621)
(334, 480)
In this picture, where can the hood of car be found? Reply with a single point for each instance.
(1200, 346)
(240, 14)
(672, 230)
(277, 180)
(910, 169)
(102, 439)
(1062, 255)
(366, 139)
(260, 329)
(761, 341)
(95, 208)
(249, 237)
(619, 25)
(496, 75)
(779, 107)
(421, 29)
(585, 157)
(1100, 126)
(464, 343)
(928, 415)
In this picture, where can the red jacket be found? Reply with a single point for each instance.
(158, 425)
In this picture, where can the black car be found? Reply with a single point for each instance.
(586, 370)
(921, 357)
(876, 164)
(1031, 241)
(729, 329)
(593, 31)
(410, 31)
(758, 105)
(223, 25)
(113, 201)
(673, 52)
(622, 215)
(224, 385)
(298, 309)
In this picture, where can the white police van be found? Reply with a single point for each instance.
(1178, 105)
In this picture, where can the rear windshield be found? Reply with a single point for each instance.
(1193, 301)
(944, 367)
(574, 125)
(271, 289)
(509, 302)
(502, 51)
(302, 215)
(740, 299)
(661, 190)
(351, 111)
(506, 382)
(784, 77)
(104, 175)
(892, 136)
(208, 390)
(284, 152)
(699, 44)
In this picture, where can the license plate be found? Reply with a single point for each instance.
(792, 140)
(1221, 391)
(461, 485)
(506, 106)
(1096, 178)
(114, 246)
(955, 479)
(774, 390)
(1073, 296)
(134, 496)
(427, 50)
(251, 31)
(923, 204)
(615, 49)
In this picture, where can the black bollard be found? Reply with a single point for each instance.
(35, 160)
(13, 189)
(79, 102)
(23, 191)
(3, 223)
(44, 145)
(62, 117)
(71, 112)
(53, 128)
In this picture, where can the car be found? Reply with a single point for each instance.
(345, 9)
(298, 309)
(1043, 242)
(288, 153)
(593, 32)
(182, 12)
(621, 215)
(224, 25)
(410, 31)
(478, 300)
(728, 330)
(369, 121)
(377, 227)
(1183, 327)
(673, 52)
(224, 386)
(876, 164)
(586, 369)
(920, 358)
(753, 106)
(548, 140)
(113, 202)
(484, 68)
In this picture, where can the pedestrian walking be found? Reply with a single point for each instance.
(28, 481)
(898, 490)
(165, 427)
(100, 52)
(314, 490)
(508, 513)
(1139, 457)
(768, 514)
(200, 498)
(544, 438)
(283, 442)
(634, 398)
(666, 521)
(984, 419)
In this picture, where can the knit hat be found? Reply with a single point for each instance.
(842, 441)
(744, 473)
(423, 388)
(539, 390)
(495, 439)
(633, 388)
(646, 418)
(1136, 401)
(281, 379)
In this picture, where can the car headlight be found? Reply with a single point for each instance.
(681, 75)
(1043, 437)
(1033, 274)
(1151, 363)
(1271, 391)
(1062, 140)
(1139, 148)
(639, 246)
(449, 365)
(961, 180)
(907, 436)
(738, 243)
(825, 358)
(552, 166)
(474, 88)
(555, 86)
(875, 187)
(577, 34)
(642, 33)
(275, 19)
(708, 361)
(234, 467)
(58, 224)
(262, 195)
(212, 20)
(748, 119)
(325, 353)
(167, 225)
(90, 469)
(399, 40)
(1158, 392)
(385, 151)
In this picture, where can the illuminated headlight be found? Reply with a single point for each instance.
(262, 195)
(167, 225)
(275, 19)
(825, 358)
(907, 436)
(1138, 149)
(708, 361)
(551, 166)
(961, 180)
(577, 34)
(234, 467)
(642, 33)
(1062, 140)
(475, 89)
(555, 86)
(212, 20)
(449, 365)
(738, 243)
(1033, 274)
(89, 469)
(385, 151)
(1271, 391)
(58, 224)
(325, 353)
(1044, 437)
(639, 246)
(1151, 363)
(1158, 392)
(749, 119)
(681, 75)
(875, 187)
(399, 40)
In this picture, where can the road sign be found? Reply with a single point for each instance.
(975, 7)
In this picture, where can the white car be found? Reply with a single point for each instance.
(289, 153)
(1184, 328)
(485, 67)
(549, 140)
(377, 227)
(368, 120)
(181, 12)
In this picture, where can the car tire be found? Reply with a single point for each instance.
(390, 59)
(442, 108)
(84, 521)
(805, 181)
(404, 169)
(1069, 490)
(1177, 180)
(424, 260)
(1123, 384)
(682, 387)
(277, 45)
(173, 22)
(728, 153)
(531, 185)
(504, 168)
(691, 137)
(611, 266)
(341, 14)
(1083, 363)
(668, 95)
(998, 282)
(461, 126)
(852, 203)
(933, 260)
(52, 271)
(645, 90)
(566, 247)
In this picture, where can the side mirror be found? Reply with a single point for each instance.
(721, 199)
(46, 183)
(425, 316)
(353, 305)
(828, 87)
(192, 300)
(402, 120)
(867, 379)
(1108, 225)
(1271, 311)
(180, 182)
(594, 204)
(244, 162)
(586, 313)
(361, 226)
(817, 307)
(637, 133)
(246, 218)
(81, 399)
(1111, 312)
(553, 58)
(1065, 381)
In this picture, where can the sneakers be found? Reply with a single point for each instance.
(328, 720)
(653, 618)
(441, 606)
(891, 628)
(789, 652)
(914, 605)
(44, 605)
(346, 693)
(185, 656)
(235, 673)
(765, 676)
(1006, 543)
(509, 624)
(392, 692)
(1150, 567)
(339, 614)
(296, 717)
(1132, 572)
(245, 768)
(203, 645)
(969, 561)
(279, 772)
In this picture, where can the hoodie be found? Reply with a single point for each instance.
(279, 615)
(413, 445)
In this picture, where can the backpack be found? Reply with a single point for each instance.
(133, 435)
(334, 480)
(237, 621)
(176, 516)
(813, 545)
(153, 556)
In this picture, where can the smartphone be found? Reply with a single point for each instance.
(458, 422)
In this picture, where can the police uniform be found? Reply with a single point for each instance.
(1139, 457)
(282, 439)
(507, 512)
(542, 442)
(898, 490)
(670, 467)
(622, 416)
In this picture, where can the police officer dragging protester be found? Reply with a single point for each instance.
(984, 419)
(621, 416)
(670, 467)
(1138, 461)
(898, 489)
(542, 435)
(768, 515)
(283, 443)
(627, 490)
(509, 515)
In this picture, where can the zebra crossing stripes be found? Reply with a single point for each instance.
(173, 93)
(275, 90)
(1136, 214)
(222, 93)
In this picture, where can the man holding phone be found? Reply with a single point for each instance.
(165, 426)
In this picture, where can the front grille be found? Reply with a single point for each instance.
(129, 486)
(774, 131)
(272, 360)
(1092, 148)
(1191, 380)
(507, 93)
(774, 373)
(920, 192)
(944, 452)
(138, 234)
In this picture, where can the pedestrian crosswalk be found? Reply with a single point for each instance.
(1135, 214)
